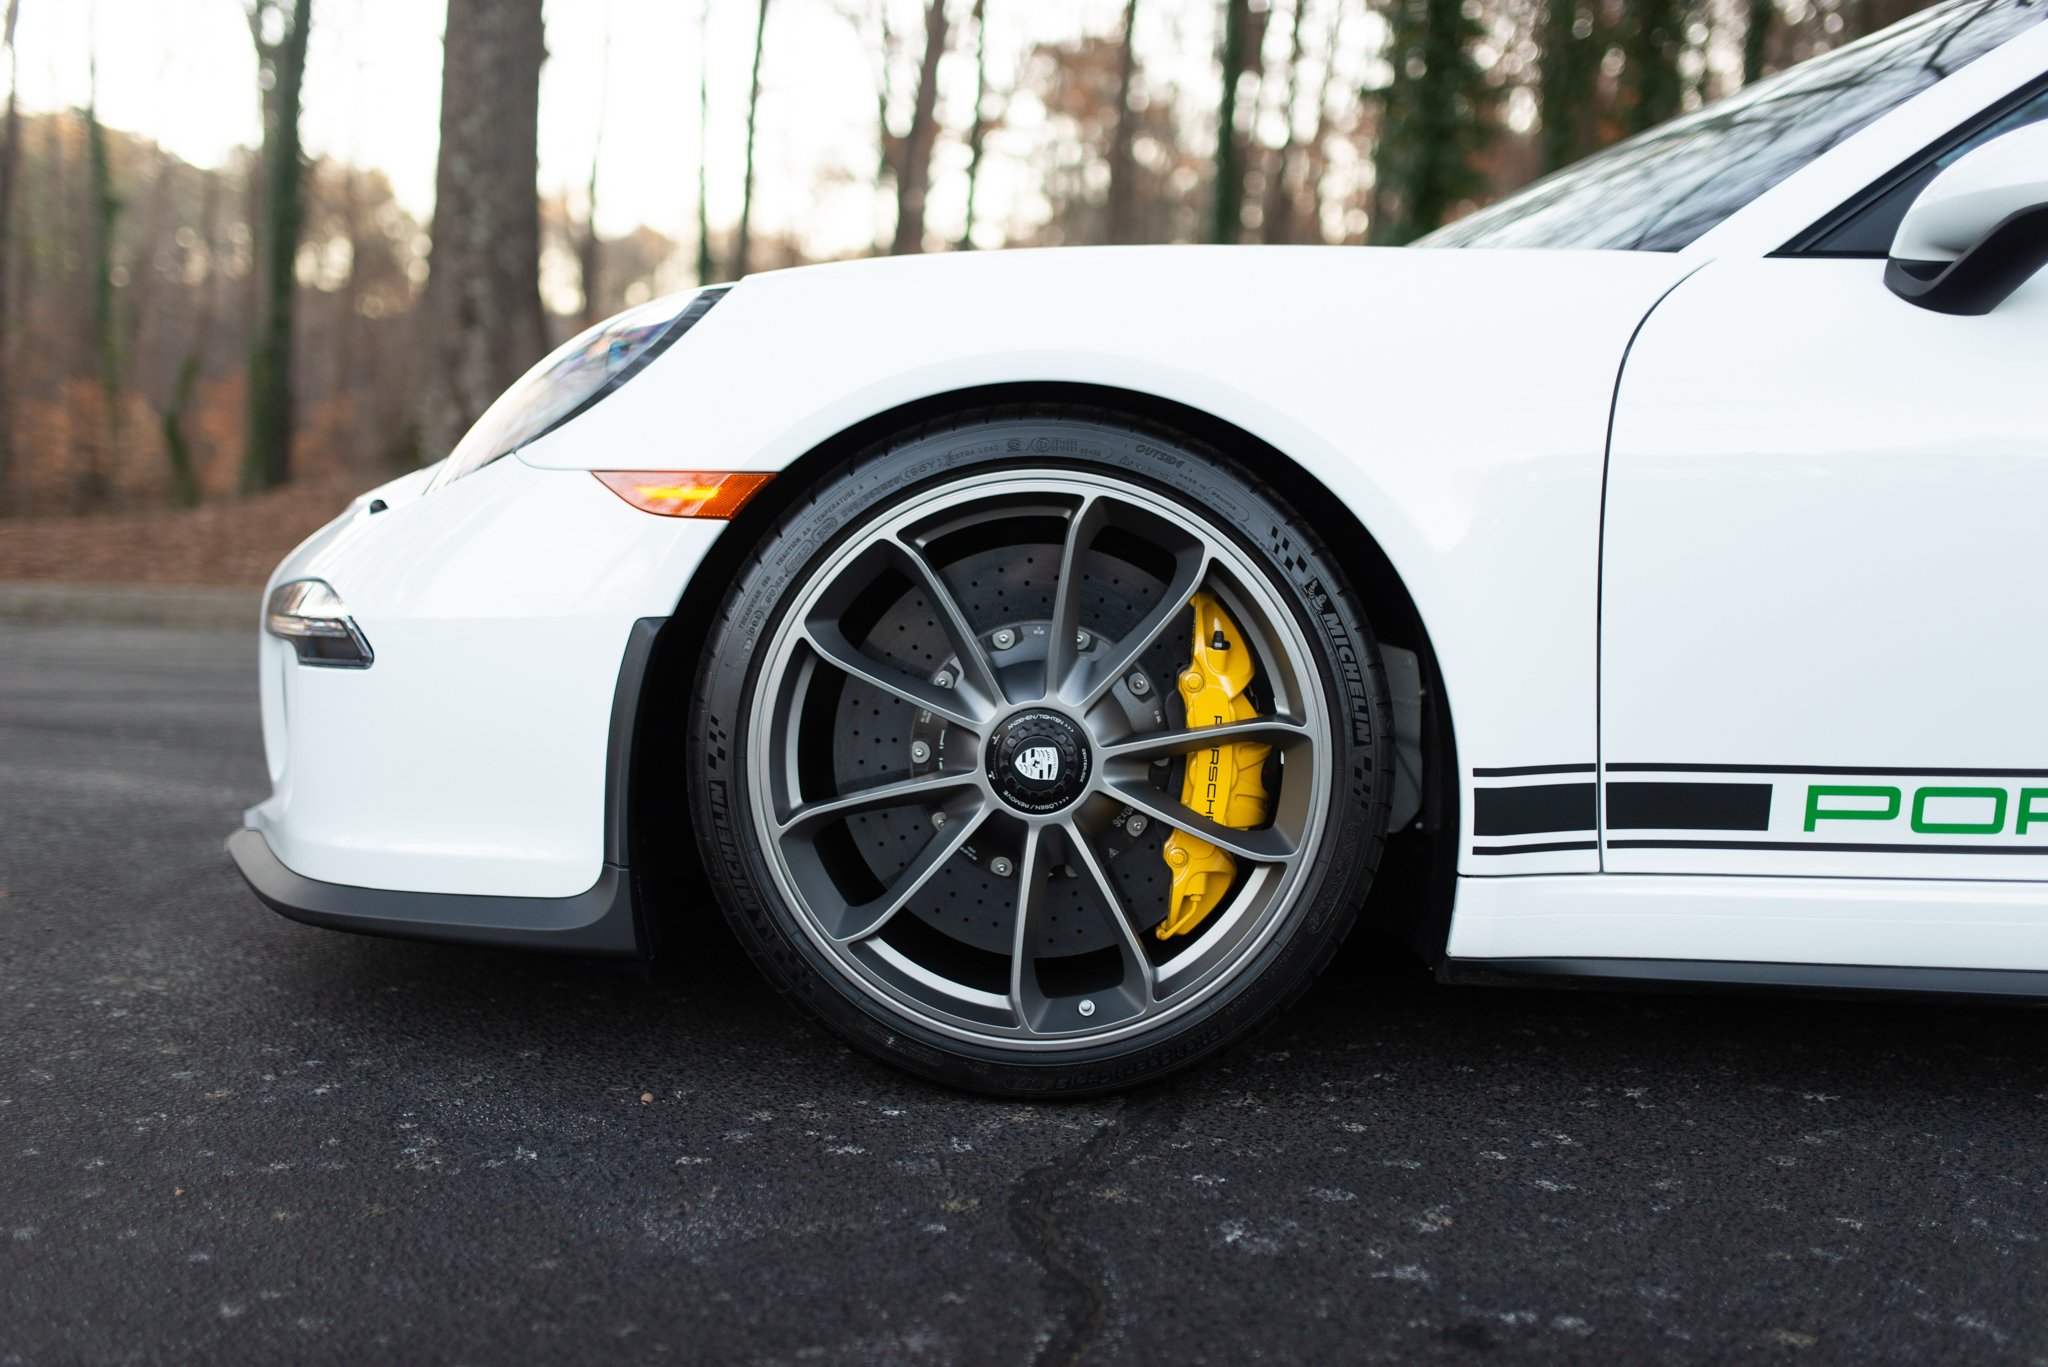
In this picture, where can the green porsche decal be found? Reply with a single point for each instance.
(1987, 807)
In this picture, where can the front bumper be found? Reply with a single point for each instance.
(470, 785)
(599, 921)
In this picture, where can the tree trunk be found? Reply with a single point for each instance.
(94, 476)
(913, 178)
(10, 156)
(1277, 221)
(589, 248)
(1318, 155)
(1570, 71)
(1120, 214)
(177, 448)
(1649, 76)
(1228, 203)
(1756, 39)
(1433, 119)
(266, 457)
(704, 267)
(744, 242)
(977, 131)
(482, 310)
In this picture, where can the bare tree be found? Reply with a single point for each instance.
(266, 457)
(1121, 209)
(977, 130)
(177, 445)
(93, 473)
(1228, 203)
(913, 176)
(1570, 47)
(746, 226)
(10, 157)
(483, 321)
(589, 248)
(1756, 38)
(1277, 218)
(704, 266)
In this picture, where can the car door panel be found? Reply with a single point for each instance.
(1822, 623)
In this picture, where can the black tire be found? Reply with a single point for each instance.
(1300, 574)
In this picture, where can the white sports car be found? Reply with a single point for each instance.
(1044, 657)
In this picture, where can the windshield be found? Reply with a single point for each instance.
(1661, 189)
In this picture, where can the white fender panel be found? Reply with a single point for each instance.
(1456, 401)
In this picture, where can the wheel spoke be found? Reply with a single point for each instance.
(1063, 652)
(1191, 567)
(1026, 1001)
(811, 816)
(1280, 732)
(1269, 845)
(831, 644)
(979, 674)
(863, 921)
(1139, 978)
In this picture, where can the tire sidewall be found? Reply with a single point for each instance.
(1298, 570)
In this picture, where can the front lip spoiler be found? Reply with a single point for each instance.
(597, 922)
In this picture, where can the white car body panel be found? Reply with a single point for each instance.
(471, 757)
(1489, 511)
(1823, 548)
(1773, 421)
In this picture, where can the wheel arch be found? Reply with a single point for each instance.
(1416, 882)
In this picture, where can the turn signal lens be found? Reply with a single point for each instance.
(684, 493)
(311, 615)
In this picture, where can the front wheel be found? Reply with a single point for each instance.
(1038, 752)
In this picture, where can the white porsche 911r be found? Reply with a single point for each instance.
(1041, 655)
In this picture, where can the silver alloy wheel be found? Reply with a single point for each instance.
(1068, 684)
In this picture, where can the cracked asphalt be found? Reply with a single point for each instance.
(225, 1137)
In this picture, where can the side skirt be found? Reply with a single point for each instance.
(2004, 985)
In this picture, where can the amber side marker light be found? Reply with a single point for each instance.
(684, 493)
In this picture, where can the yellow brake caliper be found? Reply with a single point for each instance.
(1225, 783)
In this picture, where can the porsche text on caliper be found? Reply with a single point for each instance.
(1224, 782)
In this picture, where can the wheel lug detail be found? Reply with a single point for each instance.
(1135, 825)
(1000, 867)
(920, 751)
(1082, 640)
(1138, 684)
(944, 678)
(1004, 639)
(938, 818)
(1087, 1006)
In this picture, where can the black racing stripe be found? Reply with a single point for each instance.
(1823, 846)
(1522, 770)
(1533, 810)
(1548, 847)
(1821, 769)
(1689, 806)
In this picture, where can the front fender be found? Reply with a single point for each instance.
(1457, 402)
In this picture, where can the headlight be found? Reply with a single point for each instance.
(573, 379)
(311, 615)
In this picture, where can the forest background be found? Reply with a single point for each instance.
(256, 255)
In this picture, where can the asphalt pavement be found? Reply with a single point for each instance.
(225, 1137)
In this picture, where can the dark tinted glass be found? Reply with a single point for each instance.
(1661, 189)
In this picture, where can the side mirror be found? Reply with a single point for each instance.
(1979, 230)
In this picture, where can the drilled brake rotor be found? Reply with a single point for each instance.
(879, 738)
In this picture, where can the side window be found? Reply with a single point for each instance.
(1867, 224)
